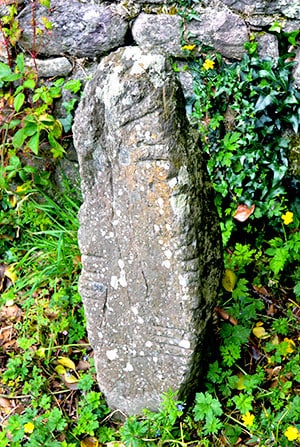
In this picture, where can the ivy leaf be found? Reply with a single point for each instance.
(263, 102)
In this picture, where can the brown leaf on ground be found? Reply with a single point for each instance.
(243, 212)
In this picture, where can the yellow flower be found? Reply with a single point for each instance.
(291, 345)
(29, 427)
(287, 218)
(248, 419)
(291, 433)
(208, 64)
(189, 47)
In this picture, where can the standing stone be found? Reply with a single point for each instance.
(149, 233)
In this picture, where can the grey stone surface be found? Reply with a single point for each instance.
(149, 233)
(286, 8)
(225, 31)
(296, 71)
(79, 30)
(221, 29)
(161, 32)
(48, 68)
(267, 46)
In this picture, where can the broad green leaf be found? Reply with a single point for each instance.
(34, 143)
(74, 85)
(19, 101)
(67, 122)
(30, 128)
(47, 119)
(57, 150)
(29, 83)
(20, 62)
(45, 3)
(280, 256)
(297, 290)
(18, 139)
(13, 124)
(4, 71)
(276, 27)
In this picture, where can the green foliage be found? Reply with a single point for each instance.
(208, 409)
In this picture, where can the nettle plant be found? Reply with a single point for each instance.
(28, 125)
(30, 133)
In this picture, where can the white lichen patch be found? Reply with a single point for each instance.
(114, 282)
(122, 280)
(168, 254)
(121, 264)
(112, 354)
(166, 264)
(129, 367)
(160, 202)
(185, 344)
(156, 228)
(134, 310)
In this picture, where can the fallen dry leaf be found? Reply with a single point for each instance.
(89, 442)
(5, 405)
(243, 212)
(229, 280)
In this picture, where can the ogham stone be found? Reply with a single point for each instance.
(149, 233)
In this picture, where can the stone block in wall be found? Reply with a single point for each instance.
(224, 31)
(267, 46)
(159, 32)
(149, 233)
(78, 29)
(286, 8)
(296, 71)
(48, 68)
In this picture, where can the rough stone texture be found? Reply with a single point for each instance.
(287, 8)
(48, 68)
(223, 30)
(78, 30)
(161, 32)
(296, 71)
(267, 46)
(149, 235)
